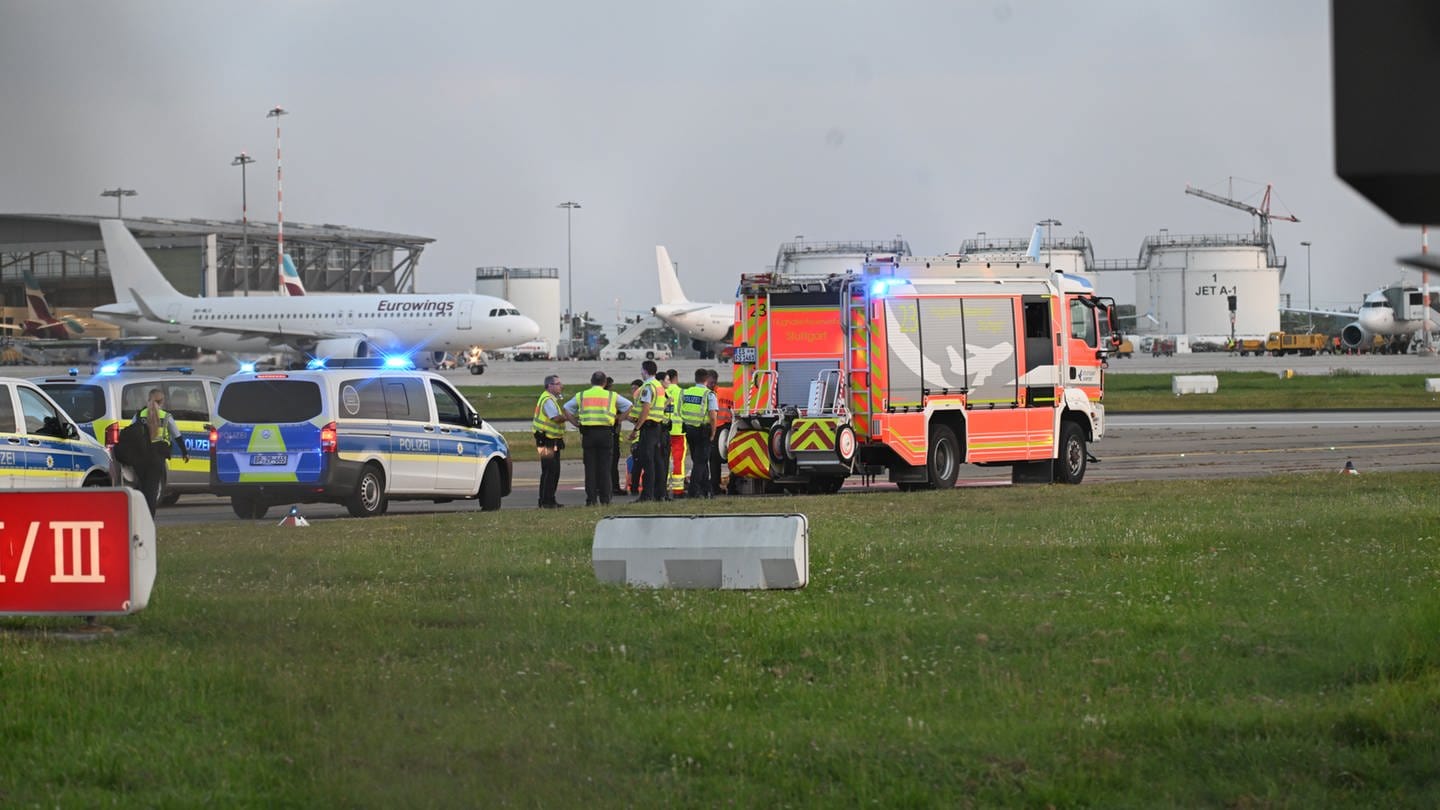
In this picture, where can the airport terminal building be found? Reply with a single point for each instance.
(203, 257)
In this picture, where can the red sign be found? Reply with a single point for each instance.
(65, 552)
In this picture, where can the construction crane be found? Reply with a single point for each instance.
(1263, 212)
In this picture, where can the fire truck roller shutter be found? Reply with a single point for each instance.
(795, 377)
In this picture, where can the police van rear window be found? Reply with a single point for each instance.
(84, 403)
(254, 401)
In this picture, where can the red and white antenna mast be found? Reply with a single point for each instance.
(275, 113)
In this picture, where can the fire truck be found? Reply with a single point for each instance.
(911, 367)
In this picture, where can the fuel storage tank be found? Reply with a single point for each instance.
(535, 291)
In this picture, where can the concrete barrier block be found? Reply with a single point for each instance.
(1432, 385)
(1194, 384)
(741, 552)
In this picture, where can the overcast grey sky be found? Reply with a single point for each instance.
(716, 129)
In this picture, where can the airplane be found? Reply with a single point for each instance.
(702, 323)
(43, 323)
(343, 325)
(1397, 313)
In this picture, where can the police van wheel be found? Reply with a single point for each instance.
(97, 479)
(368, 499)
(490, 491)
(248, 507)
(1070, 466)
(169, 498)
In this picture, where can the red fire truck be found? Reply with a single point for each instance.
(913, 366)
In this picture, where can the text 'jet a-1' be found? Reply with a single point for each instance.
(323, 326)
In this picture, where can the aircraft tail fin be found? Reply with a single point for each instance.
(1035, 241)
(131, 269)
(35, 299)
(670, 292)
(290, 283)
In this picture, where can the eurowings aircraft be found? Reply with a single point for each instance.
(702, 323)
(323, 326)
(42, 321)
(1396, 313)
(290, 283)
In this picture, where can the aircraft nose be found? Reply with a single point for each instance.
(525, 328)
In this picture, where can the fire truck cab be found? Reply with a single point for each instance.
(913, 366)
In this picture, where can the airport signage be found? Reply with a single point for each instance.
(79, 551)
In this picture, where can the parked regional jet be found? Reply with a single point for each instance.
(341, 325)
(42, 321)
(702, 323)
(1396, 313)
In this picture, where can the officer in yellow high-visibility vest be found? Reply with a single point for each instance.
(697, 413)
(677, 432)
(652, 434)
(549, 426)
(163, 434)
(596, 410)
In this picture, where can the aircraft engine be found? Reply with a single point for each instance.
(345, 347)
(1355, 336)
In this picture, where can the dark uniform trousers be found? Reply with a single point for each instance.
(655, 454)
(698, 438)
(715, 458)
(549, 467)
(597, 444)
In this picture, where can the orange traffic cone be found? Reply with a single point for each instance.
(1349, 468)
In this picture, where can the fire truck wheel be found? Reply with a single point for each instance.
(722, 442)
(943, 460)
(777, 442)
(1070, 466)
(845, 444)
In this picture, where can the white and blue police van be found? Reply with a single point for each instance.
(40, 445)
(104, 402)
(357, 433)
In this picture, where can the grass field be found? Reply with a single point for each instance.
(1130, 393)
(1190, 643)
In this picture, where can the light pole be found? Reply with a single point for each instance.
(1309, 297)
(242, 160)
(118, 193)
(569, 206)
(1049, 241)
(275, 113)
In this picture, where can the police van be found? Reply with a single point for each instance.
(40, 445)
(355, 435)
(106, 401)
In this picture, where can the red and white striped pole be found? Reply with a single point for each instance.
(279, 196)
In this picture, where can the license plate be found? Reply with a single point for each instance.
(269, 459)
(747, 354)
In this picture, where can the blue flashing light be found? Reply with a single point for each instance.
(247, 368)
(397, 361)
(315, 362)
(878, 287)
(73, 372)
(110, 369)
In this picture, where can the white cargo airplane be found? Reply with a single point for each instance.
(702, 323)
(322, 326)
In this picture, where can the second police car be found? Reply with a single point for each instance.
(40, 445)
(104, 402)
(354, 435)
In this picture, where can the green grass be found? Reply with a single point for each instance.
(1269, 642)
(1131, 393)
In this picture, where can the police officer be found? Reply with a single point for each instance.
(595, 410)
(697, 413)
(163, 434)
(651, 433)
(722, 406)
(549, 426)
(615, 486)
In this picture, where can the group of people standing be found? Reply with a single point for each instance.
(667, 418)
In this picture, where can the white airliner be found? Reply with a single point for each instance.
(323, 326)
(1396, 313)
(703, 323)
